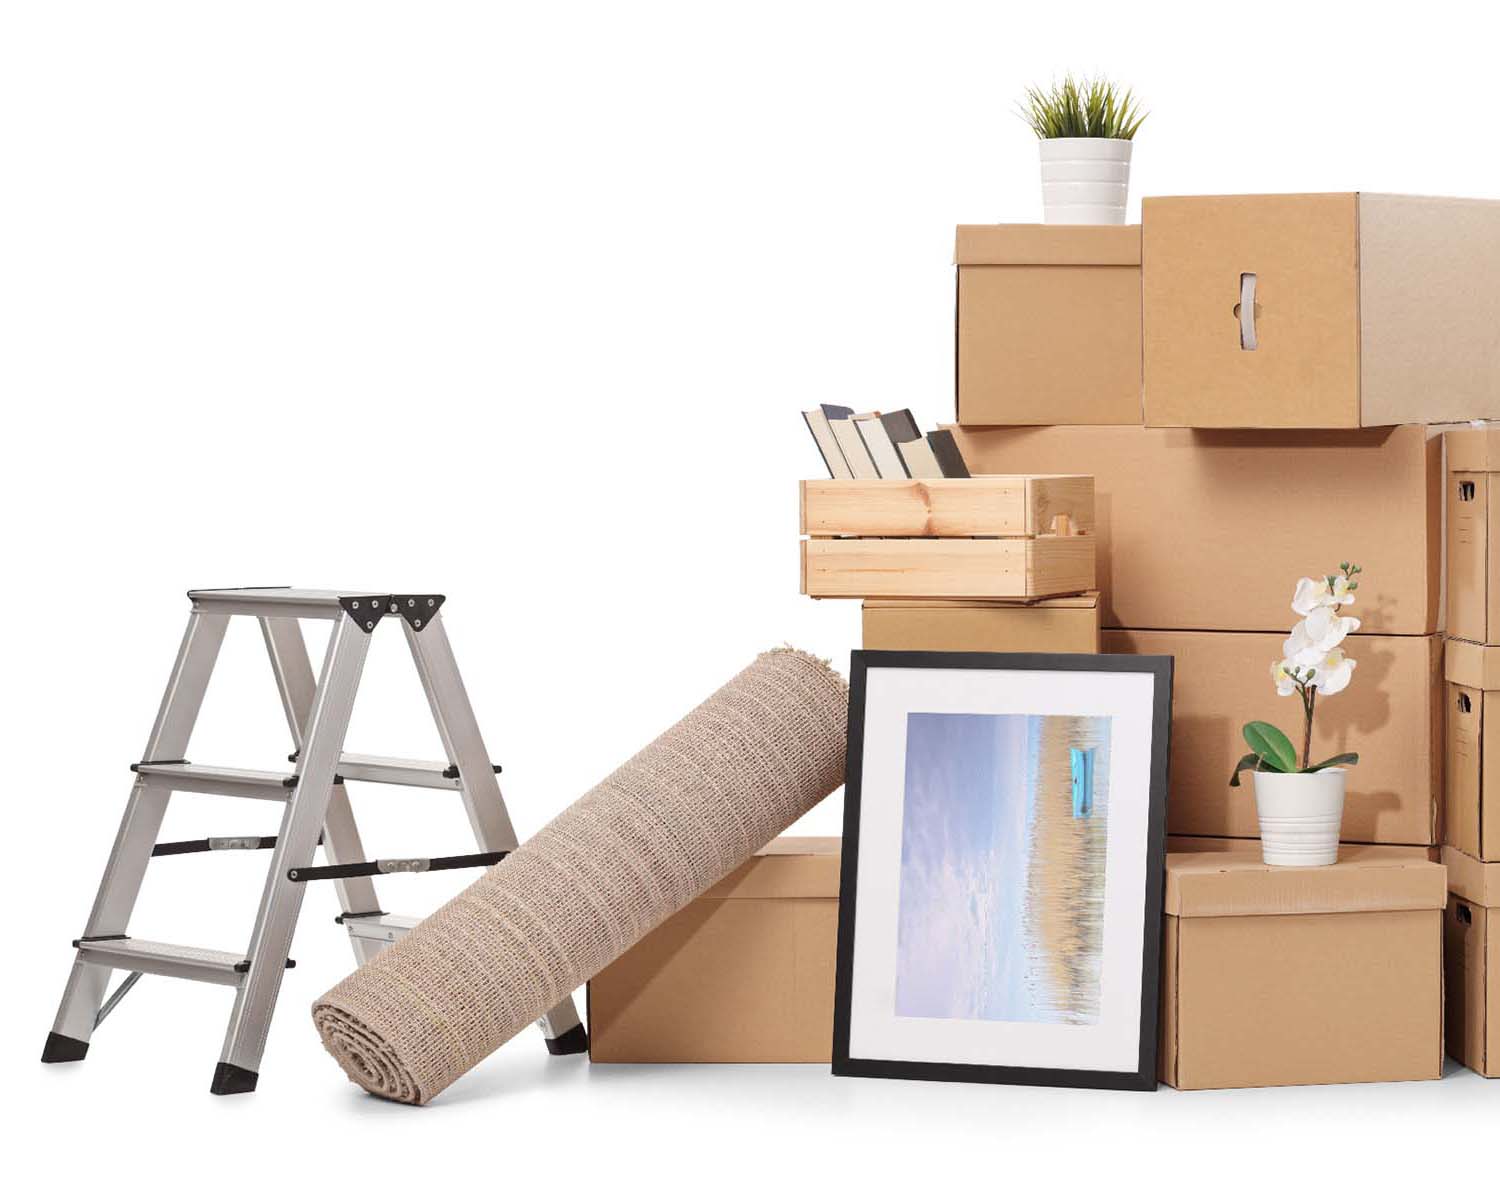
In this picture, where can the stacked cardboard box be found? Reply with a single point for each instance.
(1295, 356)
(1472, 786)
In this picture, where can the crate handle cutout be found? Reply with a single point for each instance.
(1465, 704)
(1466, 490)
(1465, 915)
(1245, 311)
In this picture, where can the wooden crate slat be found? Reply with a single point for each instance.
(948, 568)
(1015, 506)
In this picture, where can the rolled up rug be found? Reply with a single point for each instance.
(648, 839)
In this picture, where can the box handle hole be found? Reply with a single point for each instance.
(1465, 703)
(1466, 490)
(1245, 311)
(1465, 915)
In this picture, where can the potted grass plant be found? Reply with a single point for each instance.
(1299, 801)
(1085, 128)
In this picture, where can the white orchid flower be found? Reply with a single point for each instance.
(1313, 595)
(1334, 673)
(1343, 591)
(1316, 636)
(1281, 673)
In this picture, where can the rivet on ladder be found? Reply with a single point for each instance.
(417, 623)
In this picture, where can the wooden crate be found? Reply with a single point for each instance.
(984, 538)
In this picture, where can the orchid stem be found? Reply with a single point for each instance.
(1309, 700)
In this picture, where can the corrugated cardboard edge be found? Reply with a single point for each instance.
(1476, 449)
(1471, 664)
(1475, 880)
(787, 867)
(1367, 878)
(1056, 245)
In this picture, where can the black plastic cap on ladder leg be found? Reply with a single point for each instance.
(574, 1040)
(231, 1079)
(60, 1048)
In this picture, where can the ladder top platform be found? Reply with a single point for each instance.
(288, 602)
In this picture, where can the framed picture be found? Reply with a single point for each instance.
(1004, 842)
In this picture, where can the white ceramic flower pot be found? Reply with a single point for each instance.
(1085, 181)
(1300, 815)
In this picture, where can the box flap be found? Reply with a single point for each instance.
(1367, 877)
(1471, 664)
(1475, 880)
(1086, 601)
(788, 867)
(1473, 449)
(1108, 246)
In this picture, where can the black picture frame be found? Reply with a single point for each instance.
(1144, 1077)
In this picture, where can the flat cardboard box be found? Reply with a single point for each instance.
(1473, 515)
(1049, 324)
(1391, 714)
(1297, 976)
(1320, 311)
(980, 569)
(1059, 624)
(1472, 749)
(744, 973)
(1471, 958)
(1209, 530)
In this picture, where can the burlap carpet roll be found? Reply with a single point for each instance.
(644, 842)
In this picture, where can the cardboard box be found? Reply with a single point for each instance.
(1059, 624)
(1208, 530)
(1473, 513)
(1049, 324)
(1391, 715)
(1320, 311)
(1251, 846)
(1472, 749)
(744, 973)
(1471, 959)
(1295, 976)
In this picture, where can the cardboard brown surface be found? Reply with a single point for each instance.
(1473, 504)
(1391, 715)
(1471, 968)
(1370, 310)
(1285, 990)
(744, 973)
(1177, 512)
(1471, 752)
(1049, 324)
(1064, 624)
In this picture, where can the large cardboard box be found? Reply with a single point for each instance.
(1391, 715)
(1295, 976)
(1471, 775)
(744, 973)
(1471, 959)
(1049, 324)
(1320, 311)
(1473, 517)
(1209, 530)
(1059, 624)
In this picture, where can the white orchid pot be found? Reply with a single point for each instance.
(1085, 181)
(1300, 816)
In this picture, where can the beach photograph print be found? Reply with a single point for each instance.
(1003, 831)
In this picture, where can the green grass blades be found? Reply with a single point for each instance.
(1274, 749)
(1082, 108)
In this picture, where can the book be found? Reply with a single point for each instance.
(916, 455)
(861, 466)
(945, 449)
(818, 422)
(901, 426)
(878, 443)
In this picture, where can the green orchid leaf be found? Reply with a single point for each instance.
(1341, 758)
(1248, 761)
(1272, 746)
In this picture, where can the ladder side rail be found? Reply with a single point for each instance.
(328, 722)
(341, 840)
(479, 787)
(125, 870)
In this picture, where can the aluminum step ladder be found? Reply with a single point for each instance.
(317, 811)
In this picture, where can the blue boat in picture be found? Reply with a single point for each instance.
(1083, 782)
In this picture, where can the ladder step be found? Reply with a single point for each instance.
(165, 960)
(210, 779)
(385, 928)
(394, 770)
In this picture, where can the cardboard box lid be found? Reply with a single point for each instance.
(1475, 880)
(788, 867)
(1067, 246)
(1367, 877)
(1083, 601)
(1471, 664)
(1473, 449)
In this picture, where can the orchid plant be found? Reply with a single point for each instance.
(1311, 665)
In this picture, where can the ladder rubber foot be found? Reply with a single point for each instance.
(60, 1048)
(574, 1040)
(231, 1079)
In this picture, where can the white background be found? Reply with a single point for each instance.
(520, 303)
